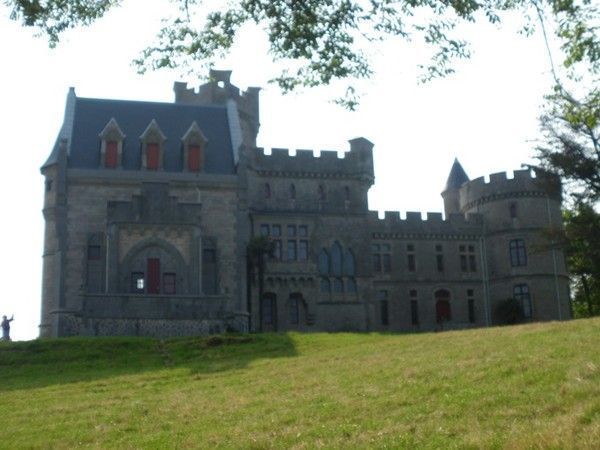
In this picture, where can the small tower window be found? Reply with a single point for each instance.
(267, 190)
(513, 210)
(321, 193)
(293, 192)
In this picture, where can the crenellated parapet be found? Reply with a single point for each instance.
(431, 226)
(357, 163)
(220, 91)
(524, 183)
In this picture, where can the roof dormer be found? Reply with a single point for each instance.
(111, 145)
(194, 145)
(152, 140)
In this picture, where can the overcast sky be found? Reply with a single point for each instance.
(486, 115)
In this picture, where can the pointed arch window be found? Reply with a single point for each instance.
(336, 259)
(349, 263)
(111, 146)
(194, 145)
(323, 262)
(152, 146)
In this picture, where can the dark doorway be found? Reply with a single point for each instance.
(443, 312)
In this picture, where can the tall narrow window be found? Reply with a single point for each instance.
(411, 259)
(382, 258)
(513, 210)
(521, 294)
(267, 190)
(518, 254)
(349, 264)
(302, 250)
(267, 309)
(467, 258)
(293, 309)
(323, 262)
(111, 156)
(383, 307)
(471, 305)
(325, 285)
(414, 307)
(346, 193)
(336, 259)
(439, 258)
(293, 192)
(194, 146)
(291, 250)
(209, 271)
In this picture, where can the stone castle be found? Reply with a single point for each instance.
(150, 207)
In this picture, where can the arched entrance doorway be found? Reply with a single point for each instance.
(443, 311)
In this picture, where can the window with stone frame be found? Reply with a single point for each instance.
(337, 270)
(209, 268)
(294, 308)
(267, 190)
(468, 261)
(95, 263)
(522, 295)
(111, 145)
(382, 257)
(518, 253)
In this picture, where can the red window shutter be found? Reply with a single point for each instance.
(152, 156)
(194, 158)
(110, 155)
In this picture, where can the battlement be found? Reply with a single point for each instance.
(522, 182)
(356, 162)
(431, 222)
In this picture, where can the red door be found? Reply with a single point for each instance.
(153, 275)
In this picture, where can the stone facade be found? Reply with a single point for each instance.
(151, 239)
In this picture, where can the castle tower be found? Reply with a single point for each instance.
(456, 179)
(521, 261)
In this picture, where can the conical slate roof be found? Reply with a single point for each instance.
(457, 176)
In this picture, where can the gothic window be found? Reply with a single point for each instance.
(194, 142)
(325, 285)
(349, 263)
(336, 259)
(152, 146)
(302, 250)
(111, 146)
(323, 262)
(518, 254)
(521, 294)
(338, 285)
(351, 285)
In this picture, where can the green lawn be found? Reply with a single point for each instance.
(531, 386)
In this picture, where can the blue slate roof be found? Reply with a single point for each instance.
(92, 115)
(457, 176)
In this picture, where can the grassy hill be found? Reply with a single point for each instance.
(531, 386)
